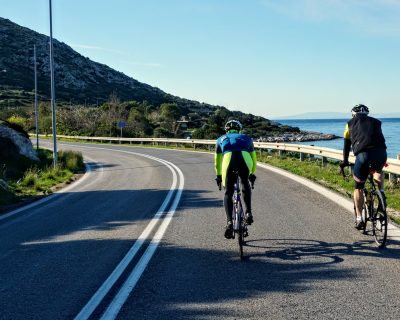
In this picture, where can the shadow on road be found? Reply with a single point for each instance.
(303, 249)
(68, 256)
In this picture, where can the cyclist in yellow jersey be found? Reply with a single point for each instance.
(364, 135)
(235, 152)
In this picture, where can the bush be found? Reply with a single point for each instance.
(71, 160)
(30, 179)
(18, 123)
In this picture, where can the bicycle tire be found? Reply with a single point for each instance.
(379, 220)
(240, 231)
(241, 242)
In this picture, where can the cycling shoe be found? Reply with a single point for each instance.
(249, 218)
(228, 234)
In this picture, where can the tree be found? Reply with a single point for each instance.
(45, 121)
(169, 111)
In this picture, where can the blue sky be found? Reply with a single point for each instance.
(268, 57)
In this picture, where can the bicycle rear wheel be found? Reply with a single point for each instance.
(379, 219)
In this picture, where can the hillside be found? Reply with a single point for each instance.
(78, 79)
(92, 98)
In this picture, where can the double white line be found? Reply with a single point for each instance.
(118, 301)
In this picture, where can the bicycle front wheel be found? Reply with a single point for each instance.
(379, 220)
(241, 242)
(240, 230)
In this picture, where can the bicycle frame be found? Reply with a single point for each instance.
(239, 225)
(374, 212)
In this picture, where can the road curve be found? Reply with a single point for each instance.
(304, 259)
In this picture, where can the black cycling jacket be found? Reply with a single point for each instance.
(365, 133)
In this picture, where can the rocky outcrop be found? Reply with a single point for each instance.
(11, 139)
(299, 137)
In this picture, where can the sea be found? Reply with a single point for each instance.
(390, 128)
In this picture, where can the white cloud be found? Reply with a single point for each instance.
(89, 47)
(143, 64)
(368, 16)
(135, 63)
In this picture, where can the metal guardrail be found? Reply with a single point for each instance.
(324, 153)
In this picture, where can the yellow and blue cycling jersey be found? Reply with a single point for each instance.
(234, 143)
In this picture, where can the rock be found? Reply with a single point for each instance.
(298, 137)
(22, 143)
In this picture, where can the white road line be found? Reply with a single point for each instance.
(93, 303)
(123, 294)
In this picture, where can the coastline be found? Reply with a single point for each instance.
(302, 136)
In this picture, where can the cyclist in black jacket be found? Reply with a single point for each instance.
(364, 135)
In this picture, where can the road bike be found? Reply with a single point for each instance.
(238, 220)
(240, 230)
(374, 210)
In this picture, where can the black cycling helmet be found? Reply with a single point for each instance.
(359, 109)
(233, 125)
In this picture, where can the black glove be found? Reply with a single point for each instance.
(218, 180)
(344, 163)
(252, 178)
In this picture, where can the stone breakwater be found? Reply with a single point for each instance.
(299, 137)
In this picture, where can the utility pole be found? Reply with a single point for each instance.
(53, 102)
(36, 106)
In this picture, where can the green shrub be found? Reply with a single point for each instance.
(50, 173)
(18, 121)
(30, 178)
(71, 160)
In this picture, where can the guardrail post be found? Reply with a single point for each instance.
(194, 146)
(301, 156)
(324, 161)
(393, 178)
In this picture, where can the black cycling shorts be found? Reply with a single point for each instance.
(371, 159)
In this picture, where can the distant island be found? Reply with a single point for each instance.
(333, 115)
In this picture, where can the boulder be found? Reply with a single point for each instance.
(21, 142)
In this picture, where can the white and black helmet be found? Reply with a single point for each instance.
(359, 109)
(233, 125)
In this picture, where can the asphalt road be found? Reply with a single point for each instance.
(108, 248)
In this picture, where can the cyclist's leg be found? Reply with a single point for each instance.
(378, 160)
(230, 179)
(246, 189)
(228, 202)
(229, 189)
(360, 174)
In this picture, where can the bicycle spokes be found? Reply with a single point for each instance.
(379, 220)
